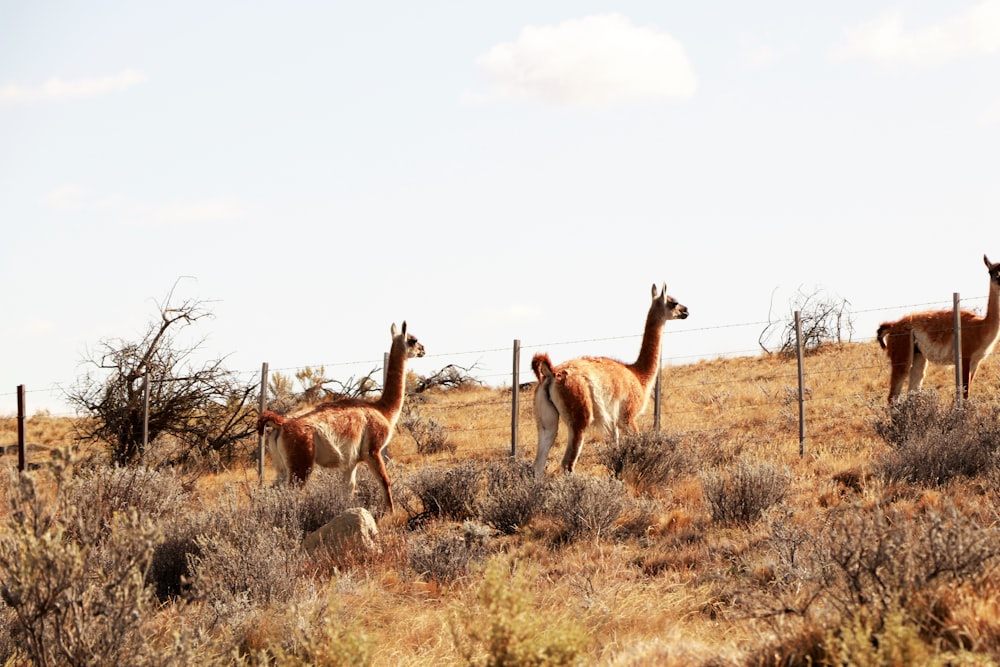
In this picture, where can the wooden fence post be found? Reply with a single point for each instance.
(958, 349)
(657, 394)
(145, 412)
(260, 437)
(515, 391)
(21, 445)
(802, 387)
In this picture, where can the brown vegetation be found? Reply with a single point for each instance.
(878, 546)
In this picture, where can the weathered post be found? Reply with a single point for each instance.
(145, 412)
(958, 349)
(802, 384)
(515, 386)
(260, 437)
(657, 394)
(21, 445)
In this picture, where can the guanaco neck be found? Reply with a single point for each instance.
(395, 379)
(648, 363)
(992, 319)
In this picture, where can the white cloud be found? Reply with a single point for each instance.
(69, 197)
(887, 41)
(219, 209)
(141, 214)
(592, 61)
(74, 198)
(758, 57)
(58, 90)
(35, 327)
(515, 312)
(990, 116)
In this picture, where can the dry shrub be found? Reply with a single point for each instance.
(512, 495)
(792, 642)
(102, 491)
(326, 496)
(584, 507)
(447, 492)
(873, 576)
(935, 443)
(648, 461)
(323, 634)
(741, 495)
(248, 553)
(446, 555)
(74, 596)
(912, 412)
(883, 559)
(429, 435)
(640, 516)
(169, 572)
(506, 628)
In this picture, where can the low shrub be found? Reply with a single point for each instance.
(512, 495)
(582, 506)
(647, 460)
(935, 443)
(430, 436)
(506, 628)
(447, 492)
(447, 555)
(74, 597)
(740, 495)
(249, 551)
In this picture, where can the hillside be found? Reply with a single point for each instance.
(715, 543)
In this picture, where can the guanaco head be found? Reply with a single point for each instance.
(994, 270)
(666, 306)
(414, 348)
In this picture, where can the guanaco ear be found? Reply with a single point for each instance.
(654, 290)
(987, 260)
(393, 330)
(404, 327)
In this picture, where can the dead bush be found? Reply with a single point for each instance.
(103, 491)
(934, 443)
(248, 552)
(447, 555)
(741, 495)
(447, 492)
(169, 572)
(449, 377)
(326, 497)
(584, 507)
(871, 563)
(74, 597)
(884, 559)
(430, 436)
(647, 461)
(512, 495)
(911, 413)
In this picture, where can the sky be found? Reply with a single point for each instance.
(488, 172)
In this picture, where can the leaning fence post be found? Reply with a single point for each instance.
(959, 394)
(515, 390)
(21, 446)
(802, 388)
(260, 437)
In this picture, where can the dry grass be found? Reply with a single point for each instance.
(665, 584)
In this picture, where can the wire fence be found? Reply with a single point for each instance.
(703, 400)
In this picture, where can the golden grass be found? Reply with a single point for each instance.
(663, 597)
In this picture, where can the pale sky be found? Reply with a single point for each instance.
(485, 171)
